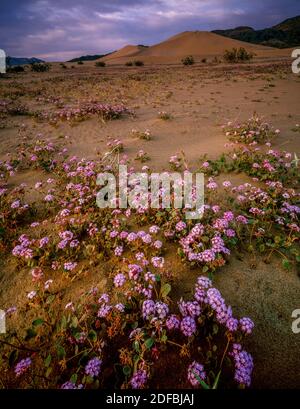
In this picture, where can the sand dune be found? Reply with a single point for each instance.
(200, 44)
(127, 51)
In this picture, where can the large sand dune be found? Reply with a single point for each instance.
(127, 51)
(200, 44)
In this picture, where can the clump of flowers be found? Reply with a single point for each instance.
(253, 130)
(22, 366)
(84, 111)
(165, 116)
(145, 135)
(142, 156)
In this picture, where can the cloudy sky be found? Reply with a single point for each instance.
(59, 30)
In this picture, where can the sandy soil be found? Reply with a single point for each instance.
(199, 44)
(200, 99)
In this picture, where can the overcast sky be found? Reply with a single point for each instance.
(62, 29)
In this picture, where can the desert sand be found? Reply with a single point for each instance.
(199, 100)
(199, 44)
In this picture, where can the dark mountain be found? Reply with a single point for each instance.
(87, 58)
(12, 61)
(283, 35)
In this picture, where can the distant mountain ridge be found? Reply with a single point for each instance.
(88, 57)
(283, 35)
(12, 61)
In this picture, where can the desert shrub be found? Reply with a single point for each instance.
(189, 60)
(129, 63)
(100, 64)
(63, 66)
(40, 67)
(138, 63)
(80, 62)
(15, 69)
(165, 116)
(237, 55)
(80, 113)
(146, 135)
(204, 60)
(255, 129)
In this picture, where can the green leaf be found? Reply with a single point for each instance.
(165, 290)
(12, 357)
(48, 360)
(136, 346)
(30, 333)
(126, 370)
(74, 322)
(262, 248)
(93, 335)
(164, 338)
(204, 269)
(202, 383)
(63, 324)
(37, 322)
(83, 360)
(215, 385)
(48, 372)
(50, 299)
(89, 379)
(215, 329)
(286, 263)
(74, 378)
(149, 342)
(134, 325)
(61, 353)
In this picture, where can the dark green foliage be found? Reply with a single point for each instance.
(100, 64)
(189, 60)
(40, 67)
(237, 55)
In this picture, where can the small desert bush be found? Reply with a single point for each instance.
(138, 63)
(15, 69)
(129, 63)
(100, 64)
(40, 67)
(189, 60)
(237, 55)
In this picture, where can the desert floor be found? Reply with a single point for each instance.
(199, 99)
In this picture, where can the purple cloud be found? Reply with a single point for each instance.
(60, 29)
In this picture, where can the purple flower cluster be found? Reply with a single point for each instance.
(158, 309)
(70, 385)
(172, 322)
(246, 325)
(22, 366)
(243, 365)
(93, 367)
(119, 280)
(148, 309)
(139, 379)
(188, 326)
(191, 308)
(134, 271)
(195, 369)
